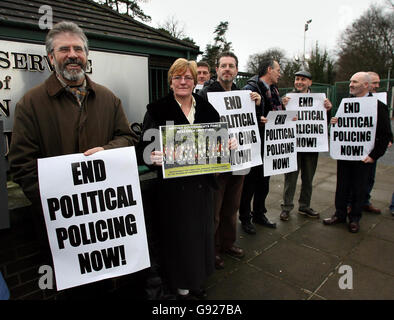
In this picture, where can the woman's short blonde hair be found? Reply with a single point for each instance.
(180, 66)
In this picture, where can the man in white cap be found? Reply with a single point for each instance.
(306, 161)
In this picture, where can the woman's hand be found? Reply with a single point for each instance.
(156, 157)
(232, 144)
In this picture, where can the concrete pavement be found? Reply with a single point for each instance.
(301, 259)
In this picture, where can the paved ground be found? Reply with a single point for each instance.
(301, 259)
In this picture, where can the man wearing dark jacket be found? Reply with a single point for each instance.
(367, 205)
(68, 113)
(256, 186)
(352, 176)
(228, 195)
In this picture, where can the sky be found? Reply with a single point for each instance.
(258, 25)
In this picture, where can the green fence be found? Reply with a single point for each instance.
(158, 84)
(341, 90)
(242, 79)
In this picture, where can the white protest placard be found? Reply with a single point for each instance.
(280, 155)
(353, 136)
(94, 215)
(238, 110)
(382, 96)
(312, 132)
(198, 87)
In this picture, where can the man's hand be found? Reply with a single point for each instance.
(327, 104)
(334, 120)
(256, 98)
(263, 119)
(93, 150)
(285, 100)
(368, 159)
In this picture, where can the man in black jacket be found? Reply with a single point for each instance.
(256, 186)
(367, 205)
(352, 176)
(227, 197)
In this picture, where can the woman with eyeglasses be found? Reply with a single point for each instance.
(185, 208)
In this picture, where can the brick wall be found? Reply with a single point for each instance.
(20, 258)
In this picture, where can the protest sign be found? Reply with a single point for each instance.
(94, 215)
(239, 111)
(312, 133)
(382, 96)
(353, 136)
(280, 154)
(198, 87)
(194, 149)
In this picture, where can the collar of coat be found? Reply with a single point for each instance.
(217, 87)
(167, 109)
(54, 87)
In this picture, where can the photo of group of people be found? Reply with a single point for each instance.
(201, 146)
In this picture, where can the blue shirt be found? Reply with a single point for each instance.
(4, 292)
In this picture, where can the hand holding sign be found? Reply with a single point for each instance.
(93, 151)
(156, 157)
(256, 98)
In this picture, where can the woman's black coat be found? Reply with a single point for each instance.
(185, 210)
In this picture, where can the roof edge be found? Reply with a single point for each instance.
(125, 17)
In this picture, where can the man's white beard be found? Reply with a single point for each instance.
(70, 76)
(73, 76)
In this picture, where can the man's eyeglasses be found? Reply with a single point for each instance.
(186, 78)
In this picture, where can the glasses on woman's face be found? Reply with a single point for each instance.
(180, 78)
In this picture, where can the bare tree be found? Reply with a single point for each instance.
(174, 27)
(255, 60)
(368, 44)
